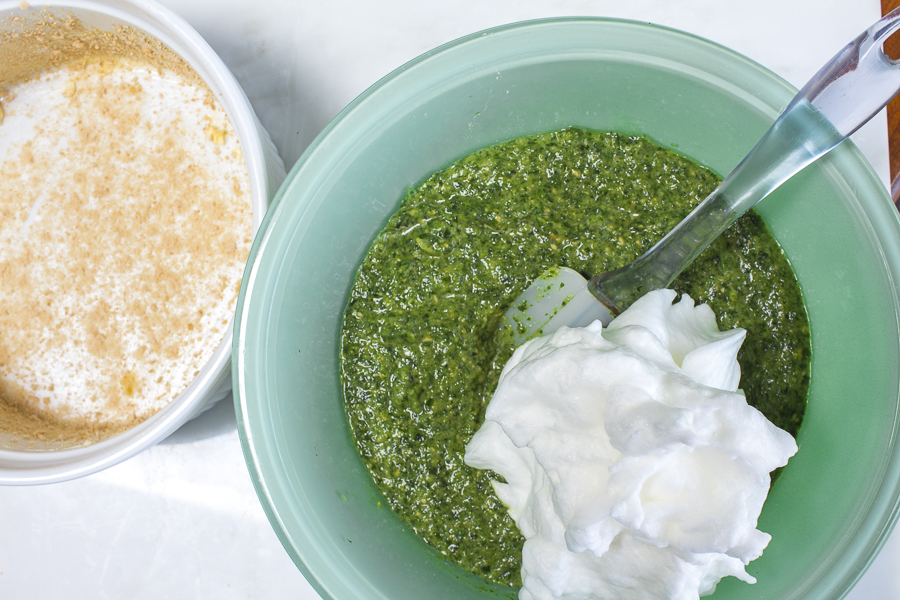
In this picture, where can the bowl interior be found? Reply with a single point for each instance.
(835, 502)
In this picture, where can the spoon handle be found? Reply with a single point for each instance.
(848, 91)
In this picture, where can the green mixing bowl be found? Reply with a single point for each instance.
(836, 501)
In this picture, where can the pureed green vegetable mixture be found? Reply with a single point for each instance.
(421, 353)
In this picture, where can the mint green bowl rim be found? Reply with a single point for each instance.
(885, 507)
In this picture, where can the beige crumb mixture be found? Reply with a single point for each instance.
(125, 222)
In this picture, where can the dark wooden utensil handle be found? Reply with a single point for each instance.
(892, 49)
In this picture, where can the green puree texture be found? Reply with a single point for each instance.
(420, 355)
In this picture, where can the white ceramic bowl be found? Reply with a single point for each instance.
(46, 463)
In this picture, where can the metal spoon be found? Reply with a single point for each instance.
(848, 91)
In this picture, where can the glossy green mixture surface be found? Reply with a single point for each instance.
(420, 351)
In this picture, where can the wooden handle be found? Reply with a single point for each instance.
(892, 49)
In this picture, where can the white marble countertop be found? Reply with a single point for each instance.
(181, 520)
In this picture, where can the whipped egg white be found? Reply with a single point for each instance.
(634, 466)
